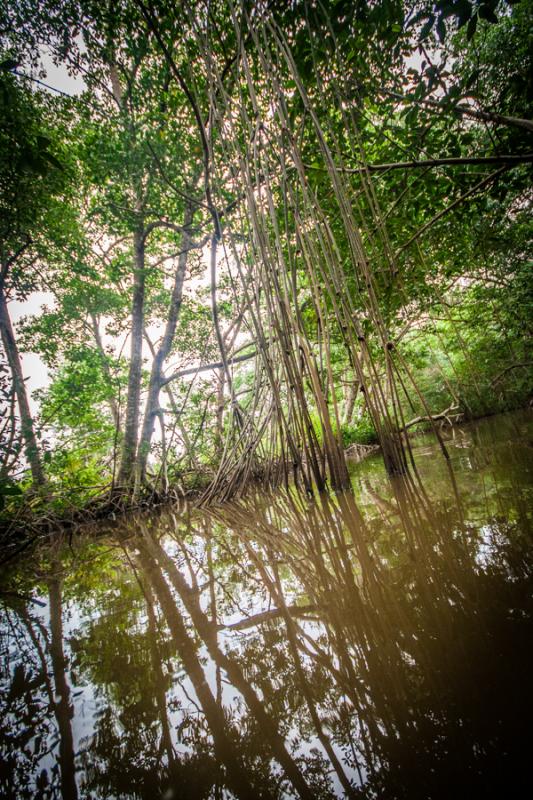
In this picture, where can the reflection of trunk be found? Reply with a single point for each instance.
(207, 632)
(317, 554)
(131, 425)
(225, 750)
(213, 604)
(62, 707)
(156, 376)
(276, 591)
(160, 696)
(26, 421)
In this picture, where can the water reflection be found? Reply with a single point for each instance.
(370, 644)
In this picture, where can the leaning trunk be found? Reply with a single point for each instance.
(351, 394)
(156, 376)
(26, 421)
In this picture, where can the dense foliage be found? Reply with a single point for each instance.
(328, 203)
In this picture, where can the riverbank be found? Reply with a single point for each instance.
(37, 518)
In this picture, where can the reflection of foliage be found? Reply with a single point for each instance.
(23, 712)
(398, 607)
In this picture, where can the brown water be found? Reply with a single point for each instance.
(374, 644)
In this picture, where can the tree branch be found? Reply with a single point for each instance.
(151, 22)
(205, 367)
(500, 375)
(524, 158)
(162, 223)
(265, 616)
(466, 111)
(433, 418)
(453, 205)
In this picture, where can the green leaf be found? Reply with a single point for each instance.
(454, 93)
(52, 160)
(463, 12)
(417, 18)
(10, 491)
(472, 79)
(447, 9)
(43, 142)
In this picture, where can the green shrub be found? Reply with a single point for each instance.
(359, 432)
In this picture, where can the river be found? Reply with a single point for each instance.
(368, 644)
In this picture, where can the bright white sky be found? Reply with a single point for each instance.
(34, 369)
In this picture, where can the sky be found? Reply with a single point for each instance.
(33, 367)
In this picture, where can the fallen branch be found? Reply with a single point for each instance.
(359, 451)
(445, 415)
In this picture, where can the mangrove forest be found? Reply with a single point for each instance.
(266, 427)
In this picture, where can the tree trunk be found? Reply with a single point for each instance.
(131, 425)
(111, 400)
(156, 375)
(351, 394)
(219, 428)
(26, 421)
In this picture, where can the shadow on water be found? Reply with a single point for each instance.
(372, 643)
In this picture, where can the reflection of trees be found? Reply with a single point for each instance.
(285, 647)
(62, 707)
(131, 751)
(411, 636)
(121, 755)
(26, 697)
(187, 649)
(153, 559)
(38, 687)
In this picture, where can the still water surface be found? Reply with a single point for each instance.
(373, 644)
